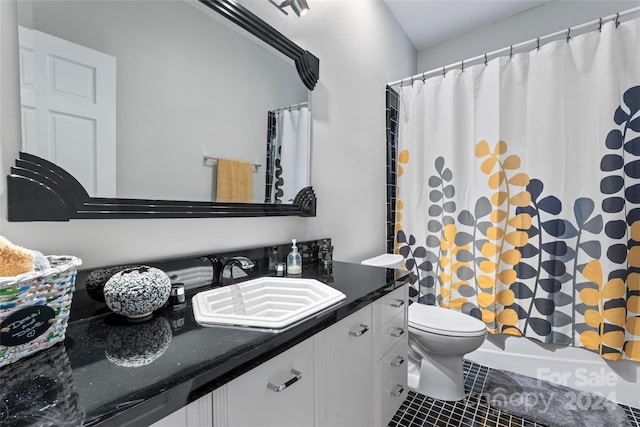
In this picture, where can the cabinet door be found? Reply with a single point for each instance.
(347, 383)
(278, 393)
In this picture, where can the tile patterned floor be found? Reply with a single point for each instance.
(422, 411)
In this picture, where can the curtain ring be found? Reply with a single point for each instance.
(600, 26)
(485, 59)
(462, 66)
(538, 44)
(444, 73)
(568, 34)
(511, 52)
(423, 77)
(617, 19)
(411, 81)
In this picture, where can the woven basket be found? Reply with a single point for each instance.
(52, 287)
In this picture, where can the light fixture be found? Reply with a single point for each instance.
(300, 7)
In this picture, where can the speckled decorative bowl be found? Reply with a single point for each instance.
(136, 292)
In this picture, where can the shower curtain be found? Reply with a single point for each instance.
(292, 152)
(518, 196)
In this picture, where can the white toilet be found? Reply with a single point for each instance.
(438, 340)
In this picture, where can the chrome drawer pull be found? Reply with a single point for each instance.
(398, 303)
(277, 388)
(397, 391)
(399, 360)
(397, 333)
(364, 329)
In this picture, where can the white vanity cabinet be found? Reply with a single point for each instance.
(343, 371)
(278, 393)
(390, 355)
(352, 374)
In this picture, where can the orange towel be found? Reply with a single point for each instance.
(235, 181)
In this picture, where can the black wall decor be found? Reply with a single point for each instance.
(39, 190)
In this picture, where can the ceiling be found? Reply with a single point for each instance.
(428, 22)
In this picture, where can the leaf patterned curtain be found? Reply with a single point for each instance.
(519, 191)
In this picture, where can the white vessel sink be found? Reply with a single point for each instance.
(266, 302)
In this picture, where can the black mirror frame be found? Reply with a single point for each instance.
(39, 190)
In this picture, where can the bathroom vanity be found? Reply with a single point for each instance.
(344, 366)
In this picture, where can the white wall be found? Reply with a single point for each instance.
(545, 19)
(360, 47)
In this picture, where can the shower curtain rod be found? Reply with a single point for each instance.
(537, 42)
(291, 107)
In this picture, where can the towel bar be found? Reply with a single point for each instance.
(210, 161)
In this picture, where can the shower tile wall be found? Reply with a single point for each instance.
(392, 156)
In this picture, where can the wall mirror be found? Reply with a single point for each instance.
(129, 110)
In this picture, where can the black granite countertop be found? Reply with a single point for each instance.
(113, 373)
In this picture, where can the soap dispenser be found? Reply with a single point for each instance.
(294, 261)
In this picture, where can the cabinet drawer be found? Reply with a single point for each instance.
(390, 333)
(390, 305)
(270, 395)
(394, 380)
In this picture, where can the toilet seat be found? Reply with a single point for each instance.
(442, 321)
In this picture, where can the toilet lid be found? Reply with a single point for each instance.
(443, 321)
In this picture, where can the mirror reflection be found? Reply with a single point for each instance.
(161, 100)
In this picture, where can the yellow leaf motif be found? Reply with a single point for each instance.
(444, 262)
(519, 179)
(400, 170)
(614, 288)
(511, 257)
(485, 299)
(487, 165)
(517, 238)
(512, 331)
(590, 296)
(487, 266)
(593, 273)
(444, 277)
(403, 157)
(521, 221)
(612, 356)
(399, 205)
(592, 318)
(521, 199)
(499, 198)
(498, 215)
(635, 231)
(489, 249)
(633, 304)
(496, 180)
(634, 256)
(632, 350)
(458, 284)
(457, 303)
(482, 148)
(486, 282)
(614, 339)
(590, 340)
(446, 293)
(507, 277)
(633, 325)
(633, 281)
(488, 316)
(616, 316)
(448, 236)
(398, 216)
(506, 297)
(511, 162)
(508, 316)
(500, 148)
(494, 233)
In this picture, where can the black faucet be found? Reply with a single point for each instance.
(220, 266)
